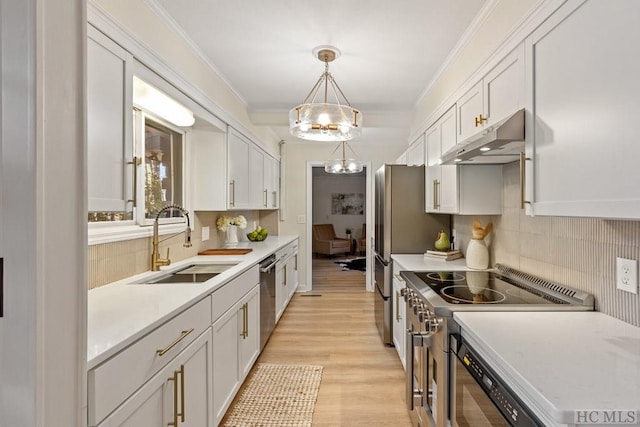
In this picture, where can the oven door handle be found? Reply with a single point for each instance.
(410, 357)
(414, 339)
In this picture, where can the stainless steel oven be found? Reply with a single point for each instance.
(478, 396)
(431, 298)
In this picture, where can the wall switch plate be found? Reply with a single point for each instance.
(205, 233)
(301, 219)
(627, 275)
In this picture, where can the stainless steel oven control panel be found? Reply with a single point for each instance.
(509, 405)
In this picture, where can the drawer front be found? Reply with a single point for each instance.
(112, 382)
(227, 296)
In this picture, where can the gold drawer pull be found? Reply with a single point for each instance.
(173, 344)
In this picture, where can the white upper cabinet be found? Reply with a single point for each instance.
(238, 148)
(415, 155)
(499, 94)
(271, 183)
(582, 101)
(441, 181)
(109, 124)
(458, 189)
(257, 199)
(470, 107)
(208, 169)
(252, 175)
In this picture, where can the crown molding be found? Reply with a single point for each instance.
(175, 27)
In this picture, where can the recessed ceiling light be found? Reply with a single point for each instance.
(485, 149)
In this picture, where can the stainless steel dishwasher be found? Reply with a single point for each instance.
(267, 298)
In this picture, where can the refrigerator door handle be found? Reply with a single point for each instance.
(382, 260)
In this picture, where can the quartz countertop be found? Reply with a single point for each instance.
(120, 313)
(417, 262)
(560, 362)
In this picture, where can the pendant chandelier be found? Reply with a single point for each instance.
(324, 121)
(343, 165)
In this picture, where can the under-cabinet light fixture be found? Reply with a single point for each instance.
(157, 102)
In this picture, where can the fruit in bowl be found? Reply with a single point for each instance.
(258, 235)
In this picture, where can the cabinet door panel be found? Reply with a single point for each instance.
(225, 362)
(238, 149)
(469, 107)
(432, 167)
(250, 323)
(268, 182)
(198, 375)
(504, 87)
(109, 124)
(256, 176)
(584, 145)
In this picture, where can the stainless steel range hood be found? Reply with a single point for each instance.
(499, 143)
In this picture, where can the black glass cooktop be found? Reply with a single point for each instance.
(481, 287)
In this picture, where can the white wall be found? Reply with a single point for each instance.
(324, 186)
(295, 157)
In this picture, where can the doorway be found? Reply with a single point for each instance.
(344, 201)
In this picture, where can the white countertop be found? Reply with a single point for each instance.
(120, 313)
(417, 262)
(560, 362)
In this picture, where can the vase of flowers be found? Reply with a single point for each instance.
(230, 224)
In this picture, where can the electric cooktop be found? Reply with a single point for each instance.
(481, 287)
(499, 289)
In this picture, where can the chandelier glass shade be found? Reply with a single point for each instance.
(343, 164)
(323, 120)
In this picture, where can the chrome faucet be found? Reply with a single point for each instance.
(156, 261)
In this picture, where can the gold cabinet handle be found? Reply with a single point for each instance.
(233, 192)
(479, 120)
(176, 412)
(173, 344)
(397, 306)
(523, 159)
(175, 399)
(244, 333)
(182, 410)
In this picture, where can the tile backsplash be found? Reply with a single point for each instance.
(109, 262)
(577, 252)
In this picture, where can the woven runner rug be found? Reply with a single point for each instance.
(277, 395)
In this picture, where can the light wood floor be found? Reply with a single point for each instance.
(333, 326)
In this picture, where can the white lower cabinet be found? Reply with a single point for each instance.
(399, 314)
(179, 395)
(286, 277)
(236, 344)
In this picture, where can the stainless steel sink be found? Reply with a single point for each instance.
(195, 273)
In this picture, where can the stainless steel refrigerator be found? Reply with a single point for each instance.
(401, 227)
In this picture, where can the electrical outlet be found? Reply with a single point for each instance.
(205, 233)
(301, 219)
(627, 275)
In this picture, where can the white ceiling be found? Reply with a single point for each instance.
(391, 51)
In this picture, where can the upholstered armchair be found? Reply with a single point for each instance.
(326, 242)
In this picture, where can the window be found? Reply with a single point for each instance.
(163, 149)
